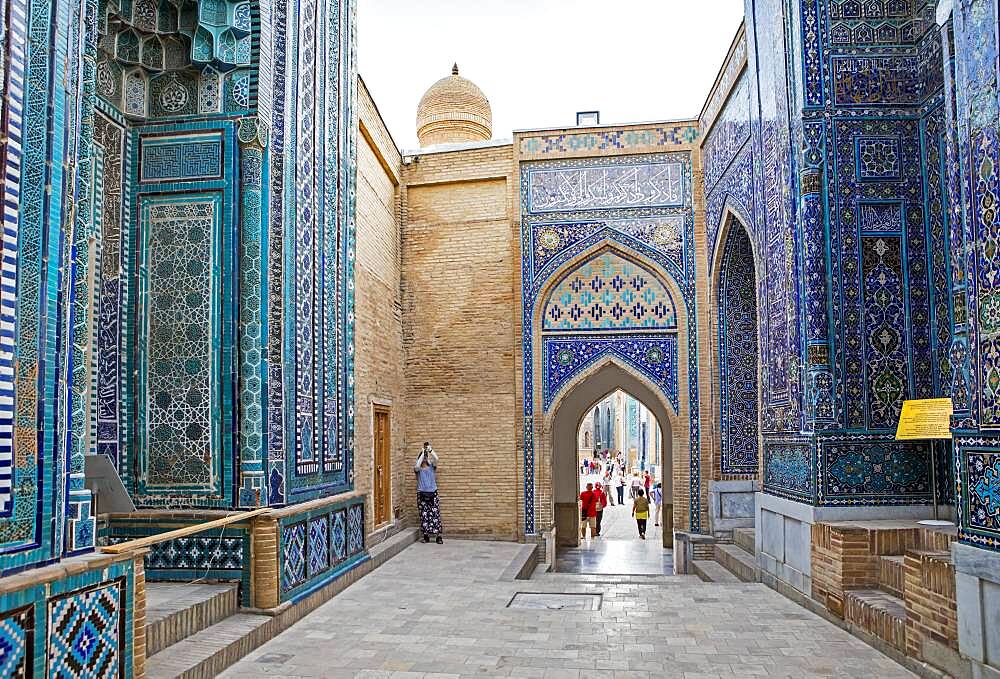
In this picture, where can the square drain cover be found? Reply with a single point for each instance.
(556, 602)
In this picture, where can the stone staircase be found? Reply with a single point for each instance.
(197, 630)
(883, 611)
(730, 561)
(893, 581)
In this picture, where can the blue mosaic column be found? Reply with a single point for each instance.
(252, 303)
(80, 525)
(974, 157)
(816, 273)
(958, 353)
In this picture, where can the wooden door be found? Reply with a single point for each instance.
(382, 484)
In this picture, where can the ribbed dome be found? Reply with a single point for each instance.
(454, 110)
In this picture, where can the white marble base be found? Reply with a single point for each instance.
(977, 580)
(730, 505)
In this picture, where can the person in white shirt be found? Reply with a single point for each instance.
(656, 495)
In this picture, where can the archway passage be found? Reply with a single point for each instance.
(622, 556)
(738, 356)
(626, 457)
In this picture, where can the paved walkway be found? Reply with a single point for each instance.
(619, 551)
(438, 611)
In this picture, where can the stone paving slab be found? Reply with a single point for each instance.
(438, 611)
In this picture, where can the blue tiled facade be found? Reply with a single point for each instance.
(861, 159)
(177, 287)
(969, 35)
(80, 626)
(318, 545)
(828, 148)
(177, 280)
(848, 159)
(608, 271)
(190, 289)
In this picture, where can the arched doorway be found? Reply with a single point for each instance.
(578, 402)
(735, 299)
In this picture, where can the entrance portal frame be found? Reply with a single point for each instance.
(678, 420)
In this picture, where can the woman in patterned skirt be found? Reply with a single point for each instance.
(428, 503)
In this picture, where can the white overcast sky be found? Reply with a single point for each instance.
(541, 61)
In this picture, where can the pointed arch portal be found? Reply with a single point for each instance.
(577, 402)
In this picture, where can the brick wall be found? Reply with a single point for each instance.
(264, 575)
(378, 309)
(842, 559)
(458, 304)
(139, 617)
(931, 608)
(846, 558)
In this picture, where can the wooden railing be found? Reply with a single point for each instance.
(149, 540)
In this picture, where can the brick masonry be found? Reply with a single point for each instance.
(894, 582)
(379, 377)
(931, 607)
(458, 309)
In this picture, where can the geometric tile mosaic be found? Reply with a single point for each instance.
(878, 158)
(609, 293)
(566, 356)
(317, 544)
(84, 633)
(293, 553)
(738, 396)
(16, 641)
(356, 528)
(338, 533)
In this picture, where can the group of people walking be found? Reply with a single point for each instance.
(595, 498)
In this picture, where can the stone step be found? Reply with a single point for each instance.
(878, 613)
(176, 610)
(744, 539)
(711, 571)
(598, 579)
(737, 561)
(891, 574)
(205, 654)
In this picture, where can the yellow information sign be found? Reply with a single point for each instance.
(928, 418)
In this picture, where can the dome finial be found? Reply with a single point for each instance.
(454, 69)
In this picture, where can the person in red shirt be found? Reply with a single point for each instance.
(588, 511)
(647, 482)
(601, 502)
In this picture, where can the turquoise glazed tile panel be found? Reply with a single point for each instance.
(318, 546)
(76, 628)
(181, 316)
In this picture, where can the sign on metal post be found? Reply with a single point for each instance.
(923, 419)
(928, 418)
